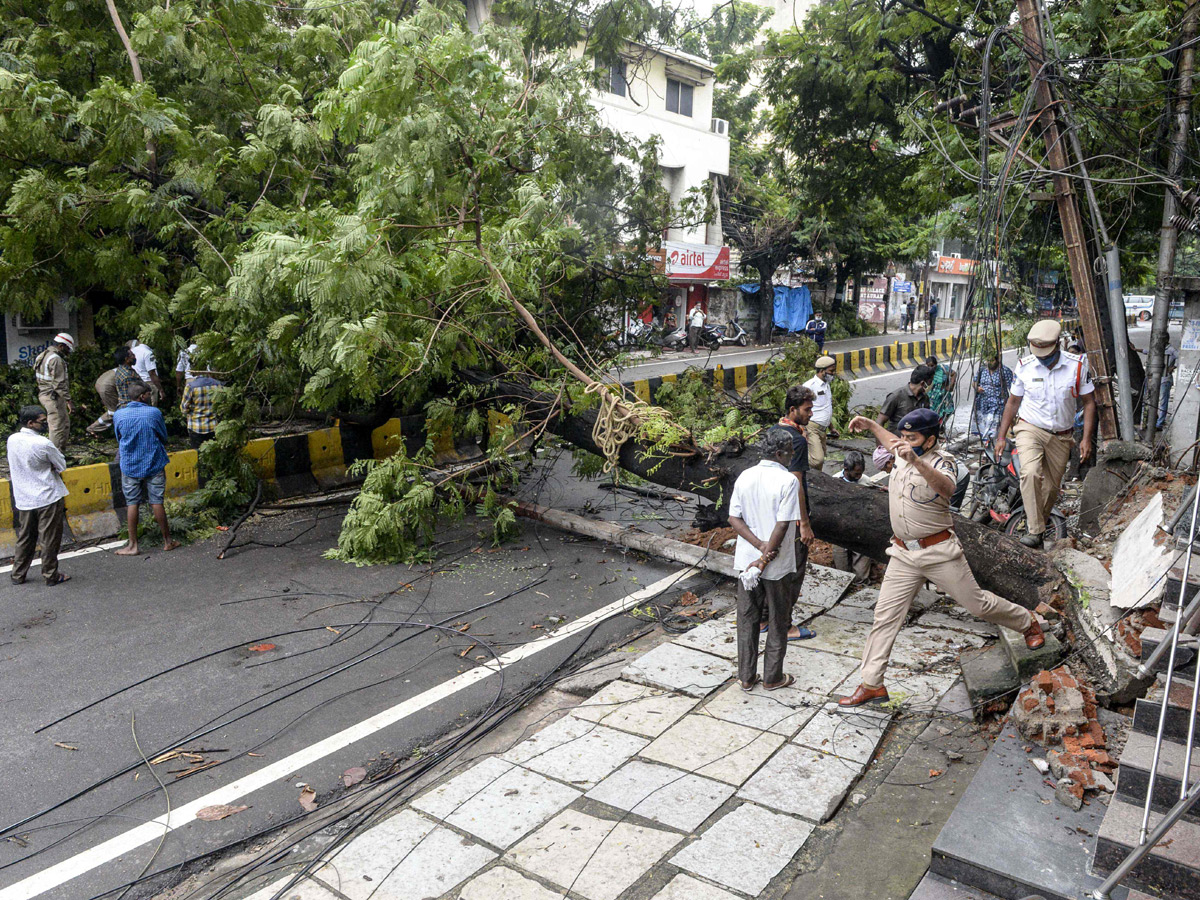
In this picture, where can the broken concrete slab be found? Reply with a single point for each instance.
(838, 636)
(803, 782)
(510, 884)
(718, 637)
(851, 733)
(595, 674)
(593, 857)
(935, 619)
(711, 747)
(863, 598)
(988, 674)
(681, 669)
(684, 887)
(745, 849)
(823, 586)
(864, 615)
(1029, 662)
(677, 799)
(920, 692)
(636, 708)
(762, 709)
(1142, 555)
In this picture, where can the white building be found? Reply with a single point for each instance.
(667, 94)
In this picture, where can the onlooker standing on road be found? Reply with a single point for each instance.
(34, 465)
(197, 408)
(695, 322)
(142, 436)
(1048, 385)
(845, 560)
(933, 314)
(54, 388)
(910, 322)
(941, 388)
(902, 401)
(146, 367)
(763, 510)
(815, 329)
(992, 384)
(1170, 363)
(821, 423)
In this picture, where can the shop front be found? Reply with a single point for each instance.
(691, 268)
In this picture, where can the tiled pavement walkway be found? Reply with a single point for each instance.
(670, 783)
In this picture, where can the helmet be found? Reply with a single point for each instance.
(66, 340)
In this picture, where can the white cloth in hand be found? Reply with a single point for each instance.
(750, 576)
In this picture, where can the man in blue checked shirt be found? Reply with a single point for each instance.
(141, 434)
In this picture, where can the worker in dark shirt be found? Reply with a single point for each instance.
(904, 400)
(799, 406)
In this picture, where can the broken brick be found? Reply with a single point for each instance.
(1030, 702)
(1044, 681)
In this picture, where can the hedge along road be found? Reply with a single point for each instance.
(536, 602)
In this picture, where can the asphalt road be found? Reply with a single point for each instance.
(349, 643)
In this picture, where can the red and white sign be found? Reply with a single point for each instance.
(696, 262)
(952, 265)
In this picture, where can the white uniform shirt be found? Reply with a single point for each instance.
(762, 497)
(33, 464)
(143, 361)
(184, 362)
(1048, 395)
(696, 320)
(822, 412)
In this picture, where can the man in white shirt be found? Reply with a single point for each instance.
(35, 465)
(1047, 388)
(696, 319)
(146, 366)
(763, 509)
(820, 426)
(183, 367)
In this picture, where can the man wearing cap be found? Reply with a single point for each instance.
(54, 389)
(923, 548)
(821, 424)
(815, 329)
(1047, 387)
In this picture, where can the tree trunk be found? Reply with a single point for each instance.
(766, 307)
(847, 515)
(839, 293)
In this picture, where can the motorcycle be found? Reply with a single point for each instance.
(638, 334)
(714, 336)
(995, 496)
(675, 340)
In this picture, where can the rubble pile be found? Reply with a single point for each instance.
(1057, 710)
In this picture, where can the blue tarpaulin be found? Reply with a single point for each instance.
(793, 306)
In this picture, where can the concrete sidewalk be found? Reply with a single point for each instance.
(669, 782)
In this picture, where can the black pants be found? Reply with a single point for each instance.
(772, 601)
(932, 324)
(39, 526)
(196, 438)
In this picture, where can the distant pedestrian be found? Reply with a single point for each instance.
(902, 401)
(910, 319)
(197, 408)
(54, 388)
(815, 329)
(820, 426)
(146, 367)
(695, 324)
(763, 509)
(142, 436)
(1170, 363)
(992, 384)
(113, 388)
(35, 472)
(845, 560)
(933, 314)
(941, 388)
(183, 367)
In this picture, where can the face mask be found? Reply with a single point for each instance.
(1050, 361)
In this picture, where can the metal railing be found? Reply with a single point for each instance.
(1148, 838)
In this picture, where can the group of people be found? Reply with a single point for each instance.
(908, 321)
(769, 507)
(131, 393)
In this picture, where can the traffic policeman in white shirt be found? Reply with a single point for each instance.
(1048, 386)
(820, 426)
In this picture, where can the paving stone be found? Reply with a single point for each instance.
(823, 586)
(406, 857)
(717, 636)
(577, 752)
(921, 692)
(802, 612)
(595, 858)
(802, 782)
(864, 615)
(497, 801)
(745, 849)
(863, 598)
(635, 707)
(680, 669)
(685, 887)
(918, 648)
(595, 674)
(935, 619)
(307, 889)
(816, 671)
(838, 636)
(714, 748)
(851, 734)
(676, 799)
(763, 709)
(503, 883)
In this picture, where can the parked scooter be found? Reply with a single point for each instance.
(675, 340)
(639, 334)
(714, 336)
(995, 496)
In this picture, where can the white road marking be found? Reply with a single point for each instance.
(59, 874)
(111, 545)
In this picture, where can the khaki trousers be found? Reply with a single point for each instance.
(58, 418)
(945, 565)
(816, 445)
(1043, 456)
(39, 526)
(848, 561)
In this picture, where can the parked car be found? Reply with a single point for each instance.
(1140, 305)
(1175, 313)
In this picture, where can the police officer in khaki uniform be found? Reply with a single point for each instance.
(1047, 389)
(924, 548)
(54, 390)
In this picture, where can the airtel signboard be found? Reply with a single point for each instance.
(696, 262)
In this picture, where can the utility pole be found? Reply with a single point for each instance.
(1169, 235)
(1068, 213)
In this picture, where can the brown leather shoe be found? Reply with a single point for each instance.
(863, 695)
(1034, 636)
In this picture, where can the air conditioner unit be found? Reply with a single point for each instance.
(721, 127)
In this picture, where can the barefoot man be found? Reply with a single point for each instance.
(923, 548)
(141, 434)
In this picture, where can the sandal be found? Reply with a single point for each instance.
(748, 686)
(20, 580)
(804, 635)
(58, 578)
(788, 681)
